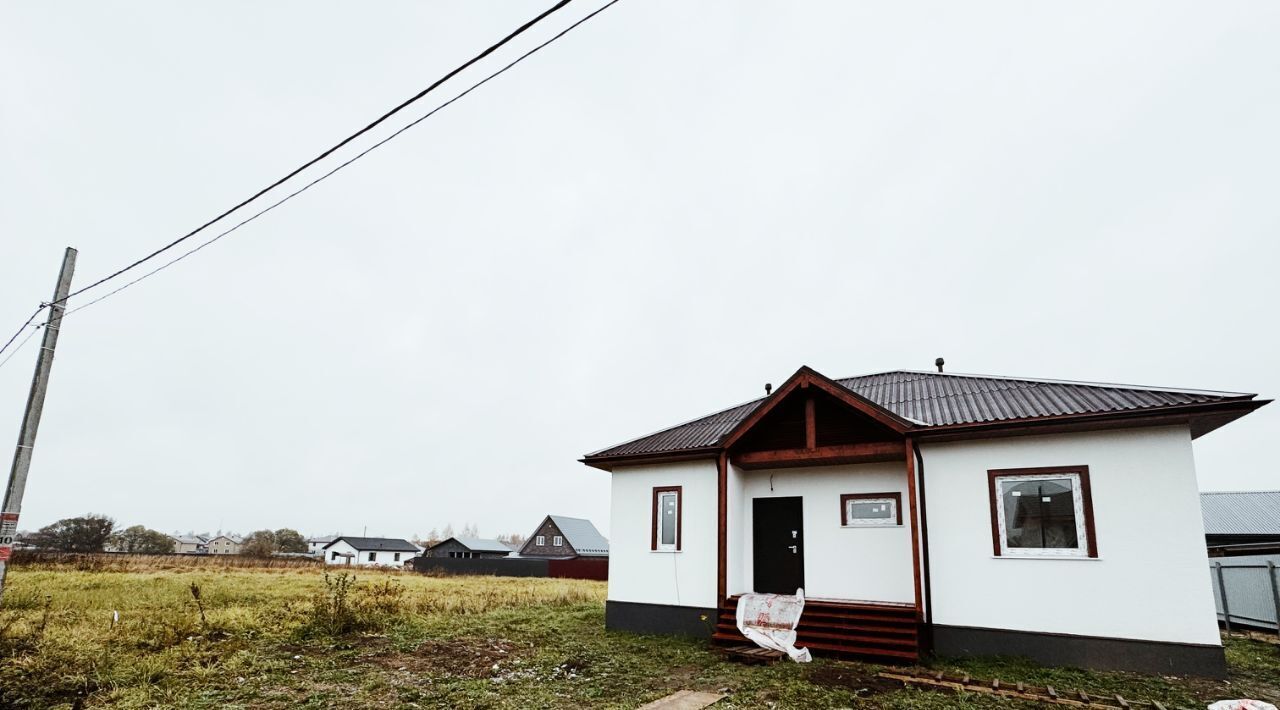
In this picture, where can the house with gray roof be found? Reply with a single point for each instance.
(562, 537)
(468, 548)
(929, 512)
(369, 551)
(1241, 519)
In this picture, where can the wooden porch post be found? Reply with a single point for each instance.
(915, 527)
(722, 505)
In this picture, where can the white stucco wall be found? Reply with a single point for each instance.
(854, 563)
(638, 574)
(1149, 581)
(384, 558)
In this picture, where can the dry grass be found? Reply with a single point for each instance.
(287, 638)
(115, 562)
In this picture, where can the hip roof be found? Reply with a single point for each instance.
(932, 400)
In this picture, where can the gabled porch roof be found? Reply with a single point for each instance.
(945, 405)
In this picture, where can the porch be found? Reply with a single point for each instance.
(876, 632)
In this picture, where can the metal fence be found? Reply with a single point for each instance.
(1247, 592)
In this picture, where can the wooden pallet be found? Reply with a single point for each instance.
(1048, 694)
(751, 654)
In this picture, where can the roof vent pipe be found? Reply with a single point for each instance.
(768, 389)
(939, 362)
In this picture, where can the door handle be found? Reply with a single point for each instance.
(793, 549)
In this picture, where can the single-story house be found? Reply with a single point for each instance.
(929, 512)
(1241, 522)
(562, 537)
(224, 545)
(369, 551)
(189, 544)
(468, 548)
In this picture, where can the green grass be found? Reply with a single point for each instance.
(271, 639)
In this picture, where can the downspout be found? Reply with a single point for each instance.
(924, 546)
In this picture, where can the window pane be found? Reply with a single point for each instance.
(870, 510)
(1040, 514)
(667, 530)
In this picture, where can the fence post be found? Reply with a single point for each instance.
(1222, 592)
(1275, 592)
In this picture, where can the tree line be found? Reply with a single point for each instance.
(97, 533)
(468, 530)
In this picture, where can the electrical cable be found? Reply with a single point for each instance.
(348, 162)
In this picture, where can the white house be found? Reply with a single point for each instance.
(369, 551)
(224, 544)
(928, 512)
(315, 545)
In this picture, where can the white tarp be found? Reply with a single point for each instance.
(770, 620)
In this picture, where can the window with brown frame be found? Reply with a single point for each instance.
(1042, 512)
(870, 510)
(667, 528)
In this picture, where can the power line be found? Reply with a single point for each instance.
(492, 48)
(349, 161)
(34, 330)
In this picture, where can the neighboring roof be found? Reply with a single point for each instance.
(323, 538)
(234, 538)
(1241, 512)
(476, 544)
(376, 544)
(929, 400)
(189, 539)
(581, 535)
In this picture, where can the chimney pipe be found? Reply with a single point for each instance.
(939, 362)
(768, 389)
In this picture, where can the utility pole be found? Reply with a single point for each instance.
(31, 418)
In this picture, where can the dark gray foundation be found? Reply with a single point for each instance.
(659, 619)
(1083, 651)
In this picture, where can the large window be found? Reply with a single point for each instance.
(1042, 512)
(666, 519)
(870, 510)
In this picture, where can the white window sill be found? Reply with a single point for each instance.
(665, 552)
(1057, 558)
(872, 527)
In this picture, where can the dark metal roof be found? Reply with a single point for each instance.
(376, 544)
(935, 399)
(1241, 512)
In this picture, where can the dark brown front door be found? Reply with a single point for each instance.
(778, 544)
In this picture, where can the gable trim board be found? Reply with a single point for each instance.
(1138, 442)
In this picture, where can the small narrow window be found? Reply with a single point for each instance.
(373, 557)
(1042, 512)
(335, 555)
(397, 557)
(870, 510)
(666, 519)
(542, 540)
(557, 541)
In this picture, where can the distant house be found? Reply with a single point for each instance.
(189, 544)
(562, 537)
(369, 551)
(315, 545)
(468, 547)
(1241, 521)
(224, 545)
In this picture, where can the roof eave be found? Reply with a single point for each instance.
(1201, 417)
(607, 463)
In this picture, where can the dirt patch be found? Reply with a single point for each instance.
(855, 678)
(462, 658)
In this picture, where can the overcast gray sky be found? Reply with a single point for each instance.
(644, 223)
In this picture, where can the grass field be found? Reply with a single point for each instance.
(287, 638)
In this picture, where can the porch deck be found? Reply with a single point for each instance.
(886, 633)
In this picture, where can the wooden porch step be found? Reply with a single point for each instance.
(803, 637)
(900, 626)
(840, 648)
